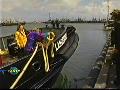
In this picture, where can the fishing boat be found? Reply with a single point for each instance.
(30, 70)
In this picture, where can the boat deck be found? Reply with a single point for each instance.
(6, 59)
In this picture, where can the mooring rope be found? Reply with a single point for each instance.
(50, 40)
(52, 52)
(45, 52)
(24, 69)
(45, 59)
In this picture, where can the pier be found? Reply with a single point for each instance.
(103, 73)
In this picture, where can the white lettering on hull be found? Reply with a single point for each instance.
(61, 42)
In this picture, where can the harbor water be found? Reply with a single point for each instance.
(91, 41)
(74, 73)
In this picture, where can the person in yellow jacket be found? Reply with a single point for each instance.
(21, 37)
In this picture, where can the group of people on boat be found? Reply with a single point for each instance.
(115, 42)
(55, 23)
(26, 41)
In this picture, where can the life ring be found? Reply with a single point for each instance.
(53, 36)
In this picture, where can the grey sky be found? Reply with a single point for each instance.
(39, 9)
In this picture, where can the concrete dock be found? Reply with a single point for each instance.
(103, 73)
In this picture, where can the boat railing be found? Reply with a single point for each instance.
(3, 41)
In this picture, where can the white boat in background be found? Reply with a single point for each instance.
(108, 26)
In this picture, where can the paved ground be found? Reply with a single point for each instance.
(111, 77)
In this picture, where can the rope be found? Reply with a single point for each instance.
(52, 53)
(45, 53)
(49, 41)
(24, 69)
(45, 59)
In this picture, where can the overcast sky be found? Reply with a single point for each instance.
(39, 9)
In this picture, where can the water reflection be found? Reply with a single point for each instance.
(64, 81)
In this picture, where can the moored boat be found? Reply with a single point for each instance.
(28, 70)
(8, 24)
(11, 24)
(108, 26)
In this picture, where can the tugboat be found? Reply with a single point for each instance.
(29, 70)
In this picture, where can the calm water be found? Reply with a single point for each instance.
(92, 39)
(5, 31)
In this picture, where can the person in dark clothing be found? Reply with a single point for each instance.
(57, 23)
(115, 41)
(53, 23)
(46, 26)
(62, 26)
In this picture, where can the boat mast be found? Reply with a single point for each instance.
(94, 9)
(49, 17)
(108, 9)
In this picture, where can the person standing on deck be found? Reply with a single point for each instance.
(115, 41)
(57, 23)
(53, 23)
(32, 39)
(21, 38)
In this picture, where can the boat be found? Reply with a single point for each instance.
(11, 24)
(8, 24)
(109, 25)
(28, 70)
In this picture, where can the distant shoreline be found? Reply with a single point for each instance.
(75, 22)
(60, 22)
(85, 22)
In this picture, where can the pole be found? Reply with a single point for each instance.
(24, 69)
(49, 16)
(3, 43)
(108, 10)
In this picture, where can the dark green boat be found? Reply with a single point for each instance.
(13, 74)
